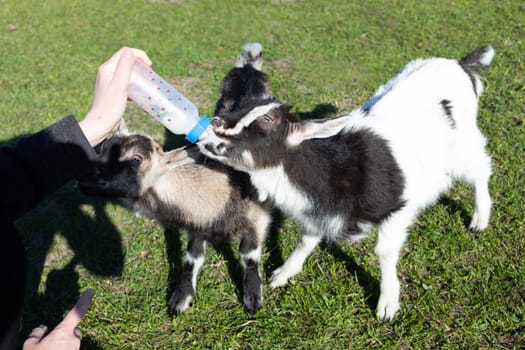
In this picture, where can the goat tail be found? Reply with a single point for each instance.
(251, 54)
(475, 62)
(478, 60)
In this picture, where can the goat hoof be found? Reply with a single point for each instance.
(178, 303)
(279, 278)
(252, 303)
(387, 310)
(478, 223)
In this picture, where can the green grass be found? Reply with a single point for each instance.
(460, 289)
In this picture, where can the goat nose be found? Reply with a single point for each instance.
(217, 122)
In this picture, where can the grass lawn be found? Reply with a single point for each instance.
(460, 289)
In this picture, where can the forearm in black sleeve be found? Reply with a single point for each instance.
(40, 163)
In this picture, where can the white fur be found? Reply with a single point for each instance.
(248, 159)
(274, 181)
(391, 236)
(326, 128)
(254, 255)
(262, 220)
(294, 263)
(197, 264)
(250, 50)
(247, 120)
(328, 226)
(185, 304)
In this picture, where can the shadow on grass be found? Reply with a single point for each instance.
(369, 284)
(234, 268)
(92, 241)
(455, 206)
(275, 255)
(322, 110)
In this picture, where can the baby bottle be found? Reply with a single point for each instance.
(165, 103)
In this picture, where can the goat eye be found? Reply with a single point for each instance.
(267, 118)
(137, 160)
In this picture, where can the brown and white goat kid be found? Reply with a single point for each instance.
(213, 203)
(378, 166)
(180, 188)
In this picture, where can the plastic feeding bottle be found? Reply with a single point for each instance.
(165, 103)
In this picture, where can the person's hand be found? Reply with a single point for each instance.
(109, 101)
(66, 335)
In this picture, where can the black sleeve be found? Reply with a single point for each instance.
(39, 164)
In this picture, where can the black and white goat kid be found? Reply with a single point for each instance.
(246, 83)
(378, 166)
(180, 188)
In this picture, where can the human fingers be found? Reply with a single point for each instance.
(78, 311)
(113, 61)
(35, 336)
(125, 64)
(123, 70)
(122, 61)
(141, 55)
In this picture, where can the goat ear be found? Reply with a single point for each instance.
(122, 128)
(181, 156)
(315, 129)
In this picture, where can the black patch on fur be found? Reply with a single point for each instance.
(447, 108)
(111, 148)
(248, 243)
(241, 87)
(196, 247)
(251, 283)
(270, 145)
(473, 60)
(353, 175)
(472, 65)
(113, 177)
